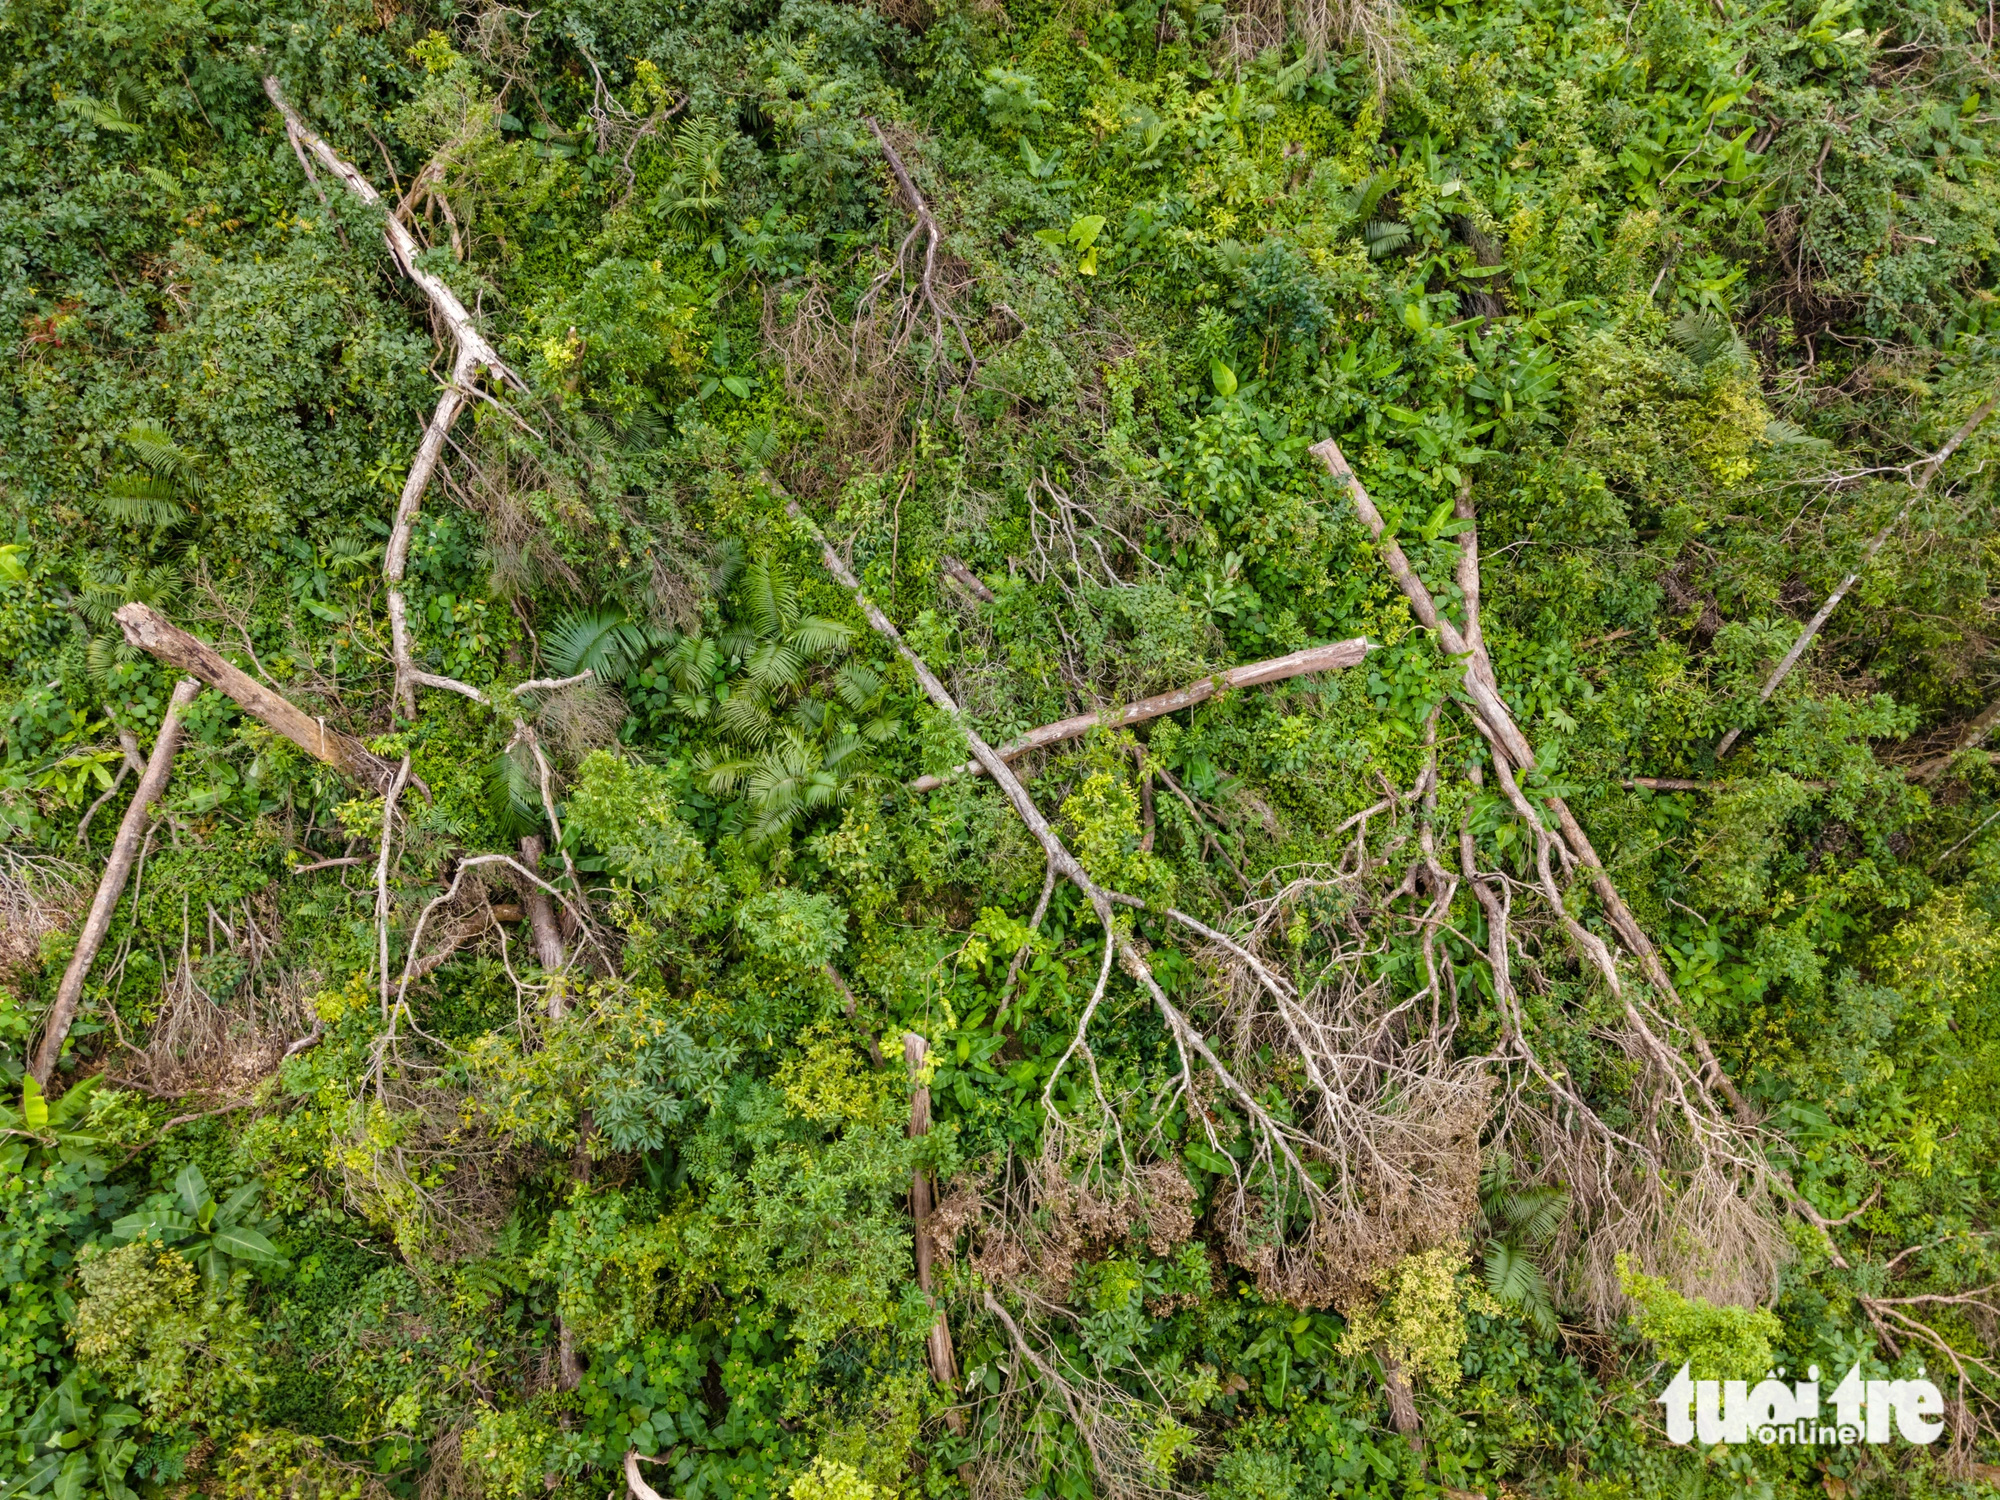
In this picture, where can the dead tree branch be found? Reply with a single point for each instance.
(117, 870)
(473, 354)
(944, 1364)
(940, 311)
(156, 636)
(1332, 658)
(1920, 478)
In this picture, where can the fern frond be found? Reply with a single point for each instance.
(153, 446)
(815, 638)
(138, 500)
(1384, 237)
(1705, 336)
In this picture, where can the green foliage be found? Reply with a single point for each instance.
(1718, 1343)
(1675, 296)
(1418, 1319)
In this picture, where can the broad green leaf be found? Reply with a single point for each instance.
(1084, 232)
(1223, 377)
(1209, 1161)
(244, 1244)
(34, 1108)
(192, 1187)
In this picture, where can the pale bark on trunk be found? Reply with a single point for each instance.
(160, 638)
(111, 886)
(542, 922)
(1329, 658)
(1920, 479)
(1513, 753)
(472, 354)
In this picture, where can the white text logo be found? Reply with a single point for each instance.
(1733, 1411)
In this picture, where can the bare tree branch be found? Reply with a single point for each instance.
(117, 870)
(155, 635)
(1332, 658)
(1920, 480)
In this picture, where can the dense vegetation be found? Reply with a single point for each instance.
(627, 1073)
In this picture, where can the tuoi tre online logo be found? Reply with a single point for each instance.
(1732, 1411)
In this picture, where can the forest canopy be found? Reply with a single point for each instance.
(1023, 748)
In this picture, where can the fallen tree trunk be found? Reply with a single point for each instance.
(944, 1364)
(160, 638)
(1333, 658)
(1972, 735)
(117, 870)
(1923, 472)
(1512, 752)
(473, 354)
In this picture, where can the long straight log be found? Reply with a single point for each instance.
(1921, 475)
(1332, 658)
(160, 638)
(117, 870)
(944, 1364)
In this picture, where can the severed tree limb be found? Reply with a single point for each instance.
(1187, 1037)
(1329, 658)
(158, 637)
(1972, 735)
(926, 225)
(395, 561)
(1921, 475)
(640, 1490)
(402, 244)
(1513, 753)
(473, 353)
(124, 770)
(1479, 684)
(382, 873)
(958, 573)
(117, 870)
(542, 923)
(944, 1365)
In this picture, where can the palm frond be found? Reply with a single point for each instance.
(1366, 195)
(691, 663)
(514, 793)
(1516, 1282)
(746, 717)
(857, 686)
(599, 640)
(725, 565)
(138, 500)
(771, 598)
(775, 665)
(722, 775)
(815, 637)
(1384, 237)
